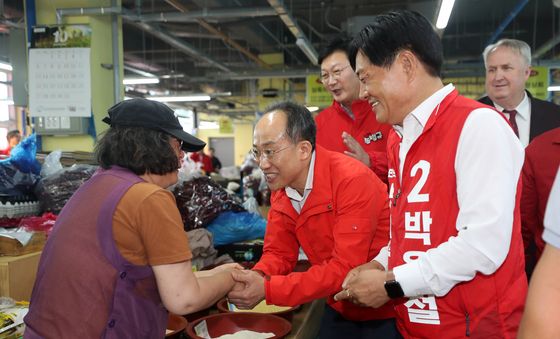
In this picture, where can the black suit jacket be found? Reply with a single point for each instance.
(544, 115)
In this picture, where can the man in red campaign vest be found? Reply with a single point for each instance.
(454, 265)
(349, 126)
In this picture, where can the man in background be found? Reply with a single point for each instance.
(349, 125)
(14, 137)
(216, 163)
(542, 158)
(508, 66)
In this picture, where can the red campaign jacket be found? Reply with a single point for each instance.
(371, 135)
(489, 306)
(344, 223)
(542, 158)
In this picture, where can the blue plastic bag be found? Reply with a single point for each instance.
(230, 227)
(22, 156)
(20, 172)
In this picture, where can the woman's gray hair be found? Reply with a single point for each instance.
(518, 46)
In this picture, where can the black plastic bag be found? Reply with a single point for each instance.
(201, 200)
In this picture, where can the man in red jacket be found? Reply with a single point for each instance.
(542, 158)
(349, 125)
(331, 206)
(455, 260)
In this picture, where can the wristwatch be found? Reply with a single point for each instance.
(393, 288)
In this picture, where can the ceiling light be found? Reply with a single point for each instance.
(554, 88)
(7, 101)
(5, 66)
(444, 13)
(307, 49)
(140, 81)
(184, 98)
(208, 125)
(312, 108)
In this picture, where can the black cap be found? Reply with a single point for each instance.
(150, 114)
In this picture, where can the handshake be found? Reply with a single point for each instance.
(247, 286)
(363, 285)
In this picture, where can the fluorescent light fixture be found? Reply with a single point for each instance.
(208, 125)
(444, 13)
(308, 50)
(140, 81)
(5, 66)
(184, 98)
(312, 108)
(7, 101)
(554, 88)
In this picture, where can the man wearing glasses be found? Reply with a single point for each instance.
(326, 203)
(349, 125)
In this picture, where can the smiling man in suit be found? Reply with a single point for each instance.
(508, 66)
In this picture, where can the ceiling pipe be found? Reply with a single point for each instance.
(507, 21)
(221, 34)
(148, 28)
(90, 11)
(192, 16)
(547, 46)
(301, 40)
(248, 75)
(116, 60)
(179, 44)
(139, 71)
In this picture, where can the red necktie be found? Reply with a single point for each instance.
(512, 120)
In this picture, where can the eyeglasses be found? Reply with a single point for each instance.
(268, 154)
(335, 74)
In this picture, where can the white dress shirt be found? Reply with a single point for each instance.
(297, 199)
(522, 118)
(487, 165)
(551, 232)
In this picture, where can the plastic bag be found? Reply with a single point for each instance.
(230, 172)
(54, 191)
(231, 227)
(22, 156)
(20, 172)
(52, 164)
(251, 205)
(15, 183)
(43, 223)
(201, 200)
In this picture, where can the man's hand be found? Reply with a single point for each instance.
(372, 265)
(365, 286)
(355, 150)
(248, 290)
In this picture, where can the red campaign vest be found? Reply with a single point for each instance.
(423, 215)
(84, 287)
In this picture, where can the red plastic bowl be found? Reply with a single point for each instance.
(230, 323)
(287, 314)
(177, 324)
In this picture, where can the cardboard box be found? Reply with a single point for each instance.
(17, 275)
(12, 247)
